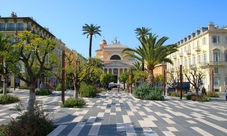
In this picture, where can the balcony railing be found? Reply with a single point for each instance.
(181, 54)
(188, 52)
(197, 49)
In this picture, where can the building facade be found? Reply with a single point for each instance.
(205, 49)
(13, 25)
(113, 59)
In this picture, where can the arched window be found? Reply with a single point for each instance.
(115, 57)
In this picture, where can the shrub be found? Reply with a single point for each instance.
(176, 94)
(88, 91)
(100, 89)
(43, 92)
(23, 87)
(145, 91)
(73, 103)
(189, 96)
(38, 124)
(155, 94)
(141, 91)
(7, 99)
(200, 98)
(212, 94)
(59, 87)
(7, 91)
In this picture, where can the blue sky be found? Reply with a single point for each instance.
(118, 18)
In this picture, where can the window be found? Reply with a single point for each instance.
(204, 40)
(215, 39)
(204, 57)
(215, 70)
(193, 61)
(225, 55)
(198, 43)
(20, 26)
(216, 56)
(10, 27)
(189, 61)
(216, 81)
(198, 59)
(115, 57)
(2, 27)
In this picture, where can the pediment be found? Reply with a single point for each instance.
(116, 64)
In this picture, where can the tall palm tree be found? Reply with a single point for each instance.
(91, 30)
(142, 32)
(153, 52)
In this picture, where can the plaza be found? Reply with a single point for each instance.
(113, 114)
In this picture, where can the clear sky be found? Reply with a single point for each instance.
(118, 18)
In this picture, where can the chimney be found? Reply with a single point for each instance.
(211, 26)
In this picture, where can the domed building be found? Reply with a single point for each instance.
(113, 59)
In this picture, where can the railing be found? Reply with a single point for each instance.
(197, 48)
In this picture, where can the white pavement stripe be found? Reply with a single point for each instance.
(212, 125)
(77, 119)
(171, 129)
(76, 130)
(169, 121)
(94, 129)
(57, 130)
(202, 132)
(91, 119)
(168, 133)
(100, 114)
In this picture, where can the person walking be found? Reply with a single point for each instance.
(203, 90)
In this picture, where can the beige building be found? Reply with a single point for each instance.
(13, 25)
(113, 59)
(205, 49)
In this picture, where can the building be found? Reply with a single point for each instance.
(13, 25)
(205, 49)
(113, 59)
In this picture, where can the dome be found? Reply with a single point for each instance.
(103, 43)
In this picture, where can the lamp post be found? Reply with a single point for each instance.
(180, 81)
(63, 77)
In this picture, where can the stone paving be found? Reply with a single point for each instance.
(120, 114)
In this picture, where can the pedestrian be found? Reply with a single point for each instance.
(108, 87)
(203, 90)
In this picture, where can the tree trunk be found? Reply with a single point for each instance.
(124, 85)
(32, 98)
(150, 77)
(76, 90)
(5, 85)
(90, 46)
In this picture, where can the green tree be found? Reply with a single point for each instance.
(35, 58)
(78, 70)
(153, 52)
(124, 77)
(91, 30)
(5, 55)
(106, 78)
(142, 32)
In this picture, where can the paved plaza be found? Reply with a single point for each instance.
(120, 114)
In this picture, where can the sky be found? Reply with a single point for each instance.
(118, 18)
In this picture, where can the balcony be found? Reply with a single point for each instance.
(212, 64)
(181, 54)
(192, 66)
(197, 49)
(188, 52)
(174, 56)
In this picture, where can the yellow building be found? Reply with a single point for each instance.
(205, 49)
(113, 59)
(13, 25)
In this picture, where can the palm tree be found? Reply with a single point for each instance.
(91, 30)
(142, 32)
(153, 52)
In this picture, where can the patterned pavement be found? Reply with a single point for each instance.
(120, 114)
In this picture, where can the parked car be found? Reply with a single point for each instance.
(185, 87)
